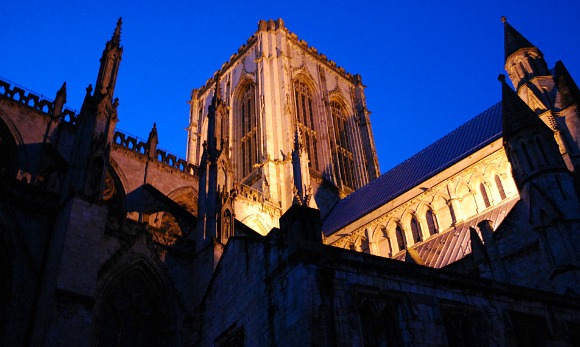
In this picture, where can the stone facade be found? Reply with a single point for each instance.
(278, 230)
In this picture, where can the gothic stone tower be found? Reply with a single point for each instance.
(551, 94)
(274, 86)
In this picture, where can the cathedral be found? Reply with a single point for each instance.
(278, 228)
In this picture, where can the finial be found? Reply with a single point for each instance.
(503, 19)
(117, 34)
(501, 78)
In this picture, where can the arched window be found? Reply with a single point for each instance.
(133, 313)
(527, 155)
(540, 144)
(415, 230)
(500, 187)
(304, 107)
(248, 131)
(430, 222)
(484, 195)
(342, 153)
(391, 331)
(401, 242)
(370, 325)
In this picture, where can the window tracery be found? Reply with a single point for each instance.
(132, 313)
(342, 151)
(248, 130)
(304, 106)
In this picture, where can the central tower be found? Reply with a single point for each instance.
(278, 89)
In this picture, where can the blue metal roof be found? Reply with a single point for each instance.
(463, 141)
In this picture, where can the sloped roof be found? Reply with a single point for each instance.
(463, 141)
(454, 244)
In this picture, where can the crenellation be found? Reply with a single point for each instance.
(39, 103)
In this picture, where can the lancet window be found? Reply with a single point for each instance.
(247, 130)
(430, 222)
(500, 187)
(415, 230)
(304, 107)
(484, 195)
(400, 235)
(342, 153)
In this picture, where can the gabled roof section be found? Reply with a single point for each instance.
(463, 141)
(513, 40)
(517, 115)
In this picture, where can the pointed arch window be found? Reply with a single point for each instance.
(400, 235)
(415, 230)
(430, 218)
(527, 155)
(484, 195)
(341, 151)
(500, 187)
(304, 107)
(541, 146)
(247, 130)
(132, 313)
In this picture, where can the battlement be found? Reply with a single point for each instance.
(39, 103)
(139, 146)
(247, 192)
(273, 25)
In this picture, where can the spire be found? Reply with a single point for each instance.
(110, 61)
(513, 40)
(516, 114)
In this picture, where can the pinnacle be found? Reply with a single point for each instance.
(116, 39)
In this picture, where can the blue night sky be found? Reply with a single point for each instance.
(429, 66)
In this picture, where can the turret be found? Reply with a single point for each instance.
(364, 122)
(523, 60)
(546, 187)
(551, 97)
(529, 142)
(214, 170)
